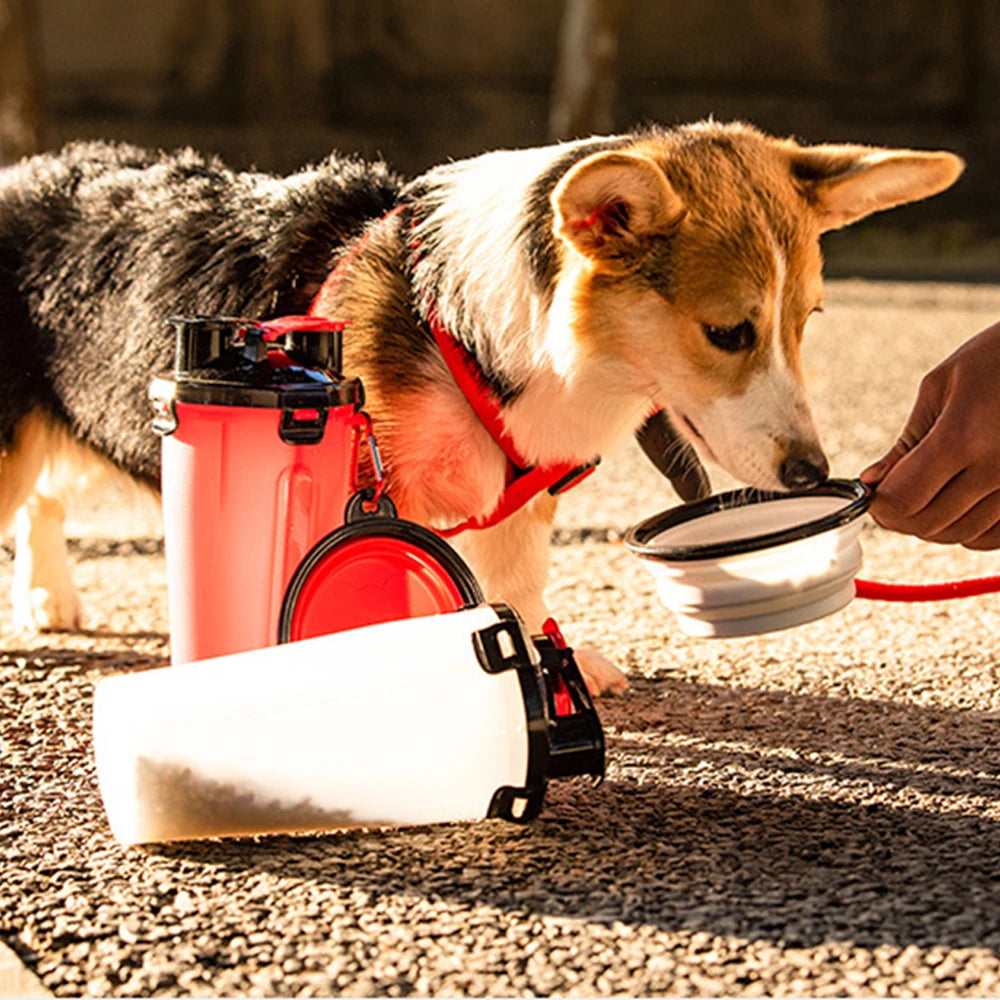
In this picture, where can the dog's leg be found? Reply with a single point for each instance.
(511, 562)
(511, 559)
(42, 594)
(599, 673)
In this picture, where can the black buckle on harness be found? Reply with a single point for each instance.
(572, 478)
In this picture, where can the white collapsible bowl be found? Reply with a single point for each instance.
(746, 562)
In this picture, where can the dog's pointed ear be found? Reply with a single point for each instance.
(608, 204)
(846, 183)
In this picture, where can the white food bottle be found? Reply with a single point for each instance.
(448, 717)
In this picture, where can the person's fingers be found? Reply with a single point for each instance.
(915, 480)
(922, 417)
(938, 481)
(877, 471)
(989, 539)
(961, 513)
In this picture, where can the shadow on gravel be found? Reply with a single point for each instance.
(892, 744)
(102, 548)
(797, 820)
(43, 659)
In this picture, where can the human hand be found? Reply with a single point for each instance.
(941, 480)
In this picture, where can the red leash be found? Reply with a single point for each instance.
(872, 590)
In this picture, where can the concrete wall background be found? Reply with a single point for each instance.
(278, 82)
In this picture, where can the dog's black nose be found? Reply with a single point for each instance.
(798, 473)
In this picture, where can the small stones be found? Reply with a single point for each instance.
(807, 813)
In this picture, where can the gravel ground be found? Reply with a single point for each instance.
(813, 812)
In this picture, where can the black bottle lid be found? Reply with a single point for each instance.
(292, 364)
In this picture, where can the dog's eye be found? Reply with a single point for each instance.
(732, 338)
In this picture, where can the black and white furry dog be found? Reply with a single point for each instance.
(592, 282)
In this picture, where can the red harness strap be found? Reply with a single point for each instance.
(354, 251)
(524, 481)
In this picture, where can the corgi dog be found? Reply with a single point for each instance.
(587, 285)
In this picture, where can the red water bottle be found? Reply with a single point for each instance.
(260, 439)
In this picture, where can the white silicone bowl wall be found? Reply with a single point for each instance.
(762, 591)
(744, 563)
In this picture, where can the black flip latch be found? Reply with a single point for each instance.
(501, 647)
(575, 735)
(302, 424)
(518, 805)
(254, 347)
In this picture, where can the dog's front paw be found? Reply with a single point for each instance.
(40, 609)
(599, 673)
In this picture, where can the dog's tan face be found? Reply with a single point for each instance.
(696, 261)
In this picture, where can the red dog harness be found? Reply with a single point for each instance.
(523, 480)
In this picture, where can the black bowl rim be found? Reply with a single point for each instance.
(637, 538)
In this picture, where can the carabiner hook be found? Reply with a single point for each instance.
(376, 458)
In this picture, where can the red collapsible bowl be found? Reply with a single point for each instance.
(374, 570)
